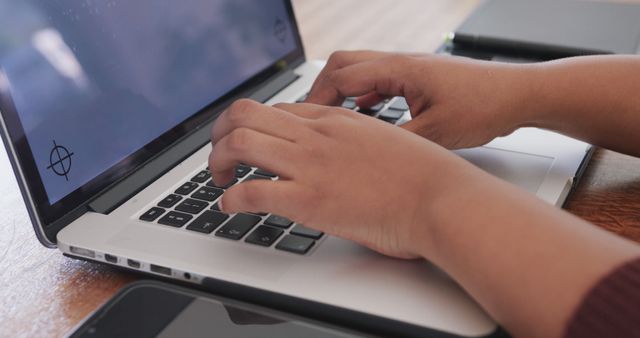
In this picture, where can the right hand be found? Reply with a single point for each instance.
(338, 173)
(455, 102)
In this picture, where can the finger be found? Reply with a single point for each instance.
(253, 115)
(386, 77)
(369, 100)
(306, 110)
(252, 147)
(284, 198)
(338, 60)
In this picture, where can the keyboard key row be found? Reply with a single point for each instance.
(300, 239)
(392, 114)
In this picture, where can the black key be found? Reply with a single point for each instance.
(258, 213)
(215, 207)
(391, 114)
(175, 219)
(256, 177)
(227, 186)
(385, 119)
(238, 226)
(264, 173)
(303, 231)
(202, 177)
(264, 235)
(207, 194)
(400, 104)
(295, 244)
(302, 98)
(242, 171)
(169, 201)
(192, 206)
(349, 103)
(186, 188)
(207, 222)
(152, 214)
(372, 110)
(278, 221)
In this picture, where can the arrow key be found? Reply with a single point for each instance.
(264, 235)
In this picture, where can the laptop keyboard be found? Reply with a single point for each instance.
(193, 205)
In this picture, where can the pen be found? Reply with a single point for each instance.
(514, 47)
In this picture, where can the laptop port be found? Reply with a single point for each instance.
(111, 258)
(82, 252)
(160, 269)
(133, 264)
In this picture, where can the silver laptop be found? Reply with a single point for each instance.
(107, 108)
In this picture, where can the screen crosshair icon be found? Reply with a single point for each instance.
(60, 160)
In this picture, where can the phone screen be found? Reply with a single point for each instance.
(167, 312)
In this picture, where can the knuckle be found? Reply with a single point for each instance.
(336, 57)
(325, 125)
(239, 139)
(239, 110)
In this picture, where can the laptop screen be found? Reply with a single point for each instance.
(94, 81)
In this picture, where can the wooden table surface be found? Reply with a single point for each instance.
(44, 293)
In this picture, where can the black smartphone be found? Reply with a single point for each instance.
(155, 309)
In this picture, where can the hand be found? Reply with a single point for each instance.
(341, 172)
(455, 102)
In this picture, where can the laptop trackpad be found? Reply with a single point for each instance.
(527, 171)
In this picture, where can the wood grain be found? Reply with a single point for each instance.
(44, 292)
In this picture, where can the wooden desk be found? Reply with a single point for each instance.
(43, 292)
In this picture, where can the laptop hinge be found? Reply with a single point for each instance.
(274, 86)
(153, 169)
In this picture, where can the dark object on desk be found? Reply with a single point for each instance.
(548, 29)
(154, 309)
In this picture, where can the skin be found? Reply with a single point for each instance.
(349, 175)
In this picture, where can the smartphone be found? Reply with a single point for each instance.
(156, 309)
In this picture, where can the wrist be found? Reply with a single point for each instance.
(447, 184)
(536, 101)
(525, 104)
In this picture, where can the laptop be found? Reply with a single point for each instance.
(107, 109)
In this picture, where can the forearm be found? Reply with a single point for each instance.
(526, 262)
(595, 99)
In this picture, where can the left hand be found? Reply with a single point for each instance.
(456, 102)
